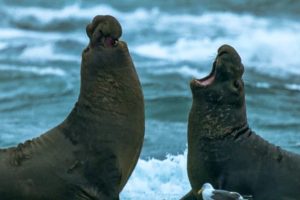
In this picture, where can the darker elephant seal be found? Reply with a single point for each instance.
(92, 153)
(223, 150)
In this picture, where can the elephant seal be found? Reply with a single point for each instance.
(92, 153)
(223, 150)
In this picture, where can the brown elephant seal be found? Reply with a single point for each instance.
(222, 149)
(92, 153)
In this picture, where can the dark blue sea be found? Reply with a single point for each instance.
(170, 42)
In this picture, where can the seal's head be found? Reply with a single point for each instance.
(106, 59)
(218, 99)
(104, 32)
(104, 50)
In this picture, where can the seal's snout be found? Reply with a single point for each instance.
(104, 31)
(227, 66)
(227, 52)
(228, 63)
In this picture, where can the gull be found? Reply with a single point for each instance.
(209, 193)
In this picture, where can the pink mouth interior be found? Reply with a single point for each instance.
(206, 81)
(109, 42)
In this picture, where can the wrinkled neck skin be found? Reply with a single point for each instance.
(215, 121)
(110, 93)
(109, 84)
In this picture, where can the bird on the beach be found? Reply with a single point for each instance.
(209, 193)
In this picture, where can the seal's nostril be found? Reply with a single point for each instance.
(222, 53)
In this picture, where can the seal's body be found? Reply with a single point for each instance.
(92, 153)
(222, 150)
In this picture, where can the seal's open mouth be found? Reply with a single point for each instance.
(104, 32)
(107, 41)
(208, 80)
(227, 66)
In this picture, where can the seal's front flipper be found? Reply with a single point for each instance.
(189, 196)
(103, 170)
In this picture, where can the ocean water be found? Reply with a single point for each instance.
(170, 42)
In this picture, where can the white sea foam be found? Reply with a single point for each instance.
(191, 72)
(268, 44)
(46, 15)
(265, 55)
(261, 43)
(45, 52)
(263, 85)
(35, 70)
(131, 21)
(158, 179)
(293, 87)
(11, 33)
(2, 45)
(182, 50)
(184, 70)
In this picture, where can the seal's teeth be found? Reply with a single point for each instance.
(115, 43)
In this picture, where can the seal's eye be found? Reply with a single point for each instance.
(237, 85)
